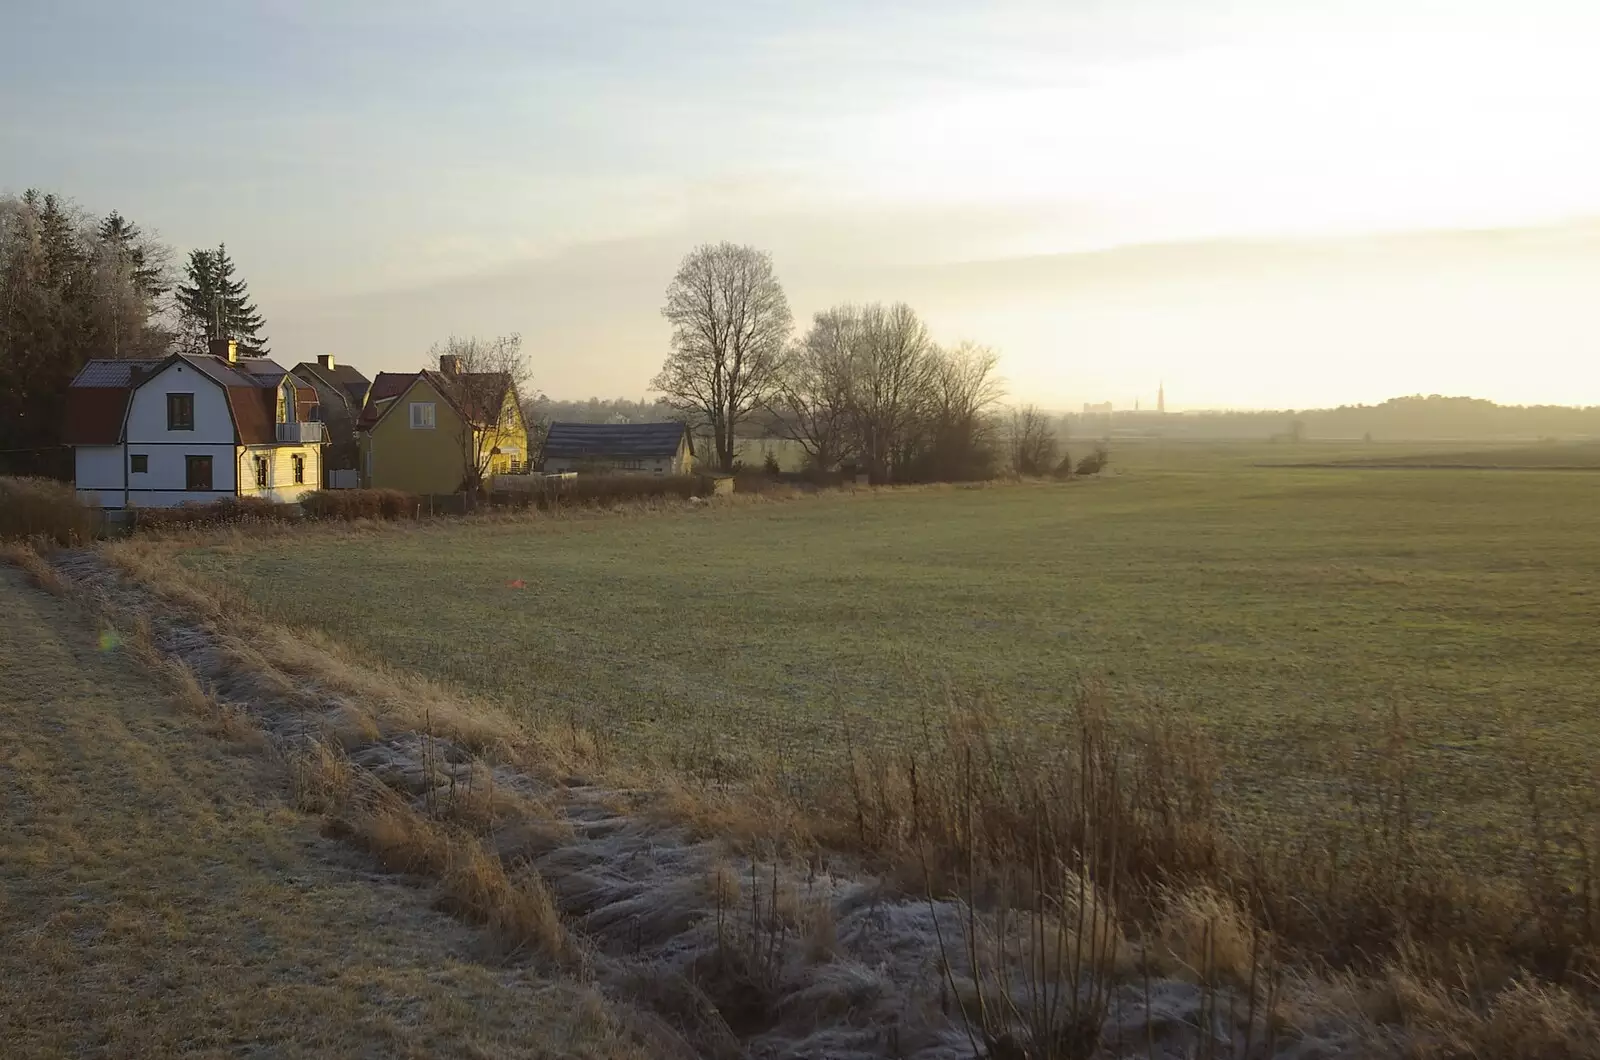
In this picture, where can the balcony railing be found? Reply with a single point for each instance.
(306, 432)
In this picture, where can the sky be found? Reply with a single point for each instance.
(1259, 203)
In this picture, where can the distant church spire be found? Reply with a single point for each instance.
(1161, 397)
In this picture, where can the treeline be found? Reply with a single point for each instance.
(1413, 418)
(72, 286)
(76, 286)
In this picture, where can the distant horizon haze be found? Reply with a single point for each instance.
(1279, 205)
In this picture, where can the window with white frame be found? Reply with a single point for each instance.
(422, 416)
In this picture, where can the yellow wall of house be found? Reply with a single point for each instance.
(511, 434)
(396, 456)
(281, 485)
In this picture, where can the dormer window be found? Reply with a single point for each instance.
(286, 397)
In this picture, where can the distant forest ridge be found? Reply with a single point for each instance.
(1414, 418)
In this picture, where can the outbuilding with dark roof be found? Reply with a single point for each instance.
(649, 448)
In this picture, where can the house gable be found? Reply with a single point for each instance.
(396, 455)
(213, 413)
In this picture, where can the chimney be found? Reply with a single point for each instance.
(325, 360)
(450, 364)
(225, 349)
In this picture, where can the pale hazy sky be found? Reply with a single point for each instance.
(1262, 202)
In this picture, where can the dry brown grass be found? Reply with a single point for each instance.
(473, 882)
(45, 509)
(441, 831)
(157, 898)
(23, 555)
(1071, 839)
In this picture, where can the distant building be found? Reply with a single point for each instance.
(341, 395)
(1102, 409)
(656, 448)
(1161, 398)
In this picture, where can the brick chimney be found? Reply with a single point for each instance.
(226, 349)
(325, 360)
(450, 364)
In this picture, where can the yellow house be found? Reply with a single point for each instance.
(426, 432)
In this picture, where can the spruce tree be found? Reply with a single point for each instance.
(123, 241)
(216, 305)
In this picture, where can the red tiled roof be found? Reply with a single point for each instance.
(386, 387)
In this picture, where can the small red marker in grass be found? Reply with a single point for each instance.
(516, 583)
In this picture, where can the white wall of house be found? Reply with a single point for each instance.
(98, 474)
(166, 481)
(169, 474)
(147, 418)
(281, 486)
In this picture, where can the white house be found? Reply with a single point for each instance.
(192, 428)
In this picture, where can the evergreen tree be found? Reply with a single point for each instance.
(122, 241)
(216, 305)
(70, 289)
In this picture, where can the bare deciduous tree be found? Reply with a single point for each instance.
(963, 392)
(483, 378)
(1031, 441)
(891, 377)
(730, 325)
(812, 402)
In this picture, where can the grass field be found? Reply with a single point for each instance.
(158, 898)
(1293, 611)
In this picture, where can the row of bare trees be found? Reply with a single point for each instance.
(865, 384)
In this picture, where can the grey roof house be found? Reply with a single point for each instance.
(647, 448)
(341, 393)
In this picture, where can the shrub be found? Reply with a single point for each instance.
(225, 512)
(1095, 462)
(604, 491)
(361, 504)
(770, 464)
(41, 507)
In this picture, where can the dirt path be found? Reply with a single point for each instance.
(157, 898)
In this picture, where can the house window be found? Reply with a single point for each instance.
(180, 412)
(261, 472)
(633, 465)
(197, 474)
(299, 470)
(139, 463)
(422, 415)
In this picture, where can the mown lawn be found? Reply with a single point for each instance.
(1294, 612)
